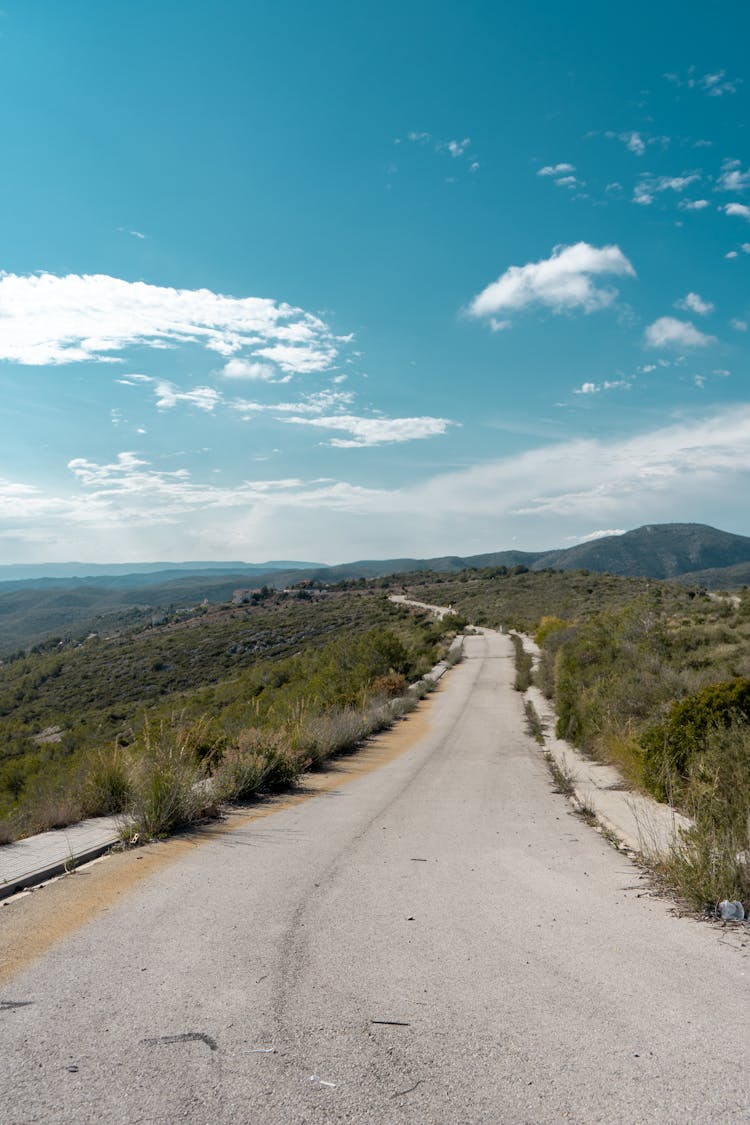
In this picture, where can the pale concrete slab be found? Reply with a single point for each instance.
(641, 823)
(30, 861)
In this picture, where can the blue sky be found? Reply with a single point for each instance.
(330, 281)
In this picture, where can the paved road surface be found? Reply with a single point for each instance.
(519, 972)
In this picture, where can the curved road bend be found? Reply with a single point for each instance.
(439, 941)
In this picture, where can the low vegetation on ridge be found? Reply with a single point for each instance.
(244, 695)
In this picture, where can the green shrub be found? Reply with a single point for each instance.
(710, 862)
(168, 779)
(674, 744)
(547, 626)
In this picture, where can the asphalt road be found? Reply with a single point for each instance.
(440, 940)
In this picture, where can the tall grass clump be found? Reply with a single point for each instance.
(256, 760)
(108, 788)
(168, 778)
(523, 661)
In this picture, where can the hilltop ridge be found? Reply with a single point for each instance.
(50, 602)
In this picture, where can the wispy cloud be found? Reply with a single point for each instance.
(592, 535)
(563, 175)
(53, 320)
(566, 280)
(204, 398)
(556, 170)
(650, 186)
(693, 302)
(715, 83)
(375, 431)
(454, 148)
(547, 492)
(317, 403)
(633, 142)
(607, 385)
(693, 204)
(732, 177)
(668, 332)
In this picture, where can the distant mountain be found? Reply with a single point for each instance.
(664, 550)
(112, 575)
(42, 605)
(379, 568)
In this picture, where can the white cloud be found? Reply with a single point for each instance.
(52, 320)
(316, 403)
(740, 209)
(649, 186)
(556, 170)
(668, 332)
(718, 84)
(732, 177)
(566, 280)
(634, 143)
(738, 325)
(458, 148)
(204, 398)
(693, 204)
(375, 431)
(695, 303)
(715, 84)
(562, 175)
(592, 535)
(607, 385)
(692, 470)
(249, 369)
(731, 254)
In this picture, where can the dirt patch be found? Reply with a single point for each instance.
(33, 922)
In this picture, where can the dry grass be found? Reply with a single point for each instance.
(523, 664)
(533, 722)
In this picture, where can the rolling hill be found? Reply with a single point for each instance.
(62, 599)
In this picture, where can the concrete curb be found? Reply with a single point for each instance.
(52, 870)
(34, 859)
(638, 822)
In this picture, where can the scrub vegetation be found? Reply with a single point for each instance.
(165, 722)
(650, 676)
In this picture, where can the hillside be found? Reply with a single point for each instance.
(655, 551)
(226, 670)
(36, 608)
